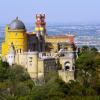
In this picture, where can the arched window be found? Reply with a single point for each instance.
(67, 65)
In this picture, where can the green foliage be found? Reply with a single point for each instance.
(51, 89)
(18, 73)
(94, 49)
(87, 71)
(3, 70)
(14, 81)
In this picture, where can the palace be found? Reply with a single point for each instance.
(38, 52)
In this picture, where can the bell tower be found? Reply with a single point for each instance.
(40, 24)
(40, 28)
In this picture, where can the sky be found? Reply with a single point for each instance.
(57, 11)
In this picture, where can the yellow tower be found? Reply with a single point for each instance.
(15, 33)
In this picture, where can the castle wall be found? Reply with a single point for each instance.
(66, 75)
(21, 59)
(35, 66)
(41, 69)
(32, 64)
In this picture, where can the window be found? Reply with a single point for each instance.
(16, 42)
(16, 34)
(73, 68)
(30, 59)
(20, 50)
(66, 67)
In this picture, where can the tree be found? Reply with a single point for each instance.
(84, 49)
(14, 81)
(3, 70)
(87, 71)
(94, 49)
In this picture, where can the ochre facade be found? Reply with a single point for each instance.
(54, 41)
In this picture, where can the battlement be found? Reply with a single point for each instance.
(40, 16)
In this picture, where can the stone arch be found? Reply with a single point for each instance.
(67, 65)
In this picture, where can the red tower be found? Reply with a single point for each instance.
(40, 31)
(40, 24)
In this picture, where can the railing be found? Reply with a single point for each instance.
(67, 54)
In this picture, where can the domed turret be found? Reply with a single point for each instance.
(16, 24)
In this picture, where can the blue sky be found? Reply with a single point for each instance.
(57, 11)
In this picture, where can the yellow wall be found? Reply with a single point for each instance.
(17, 37)
(4, 49)
(55, 40)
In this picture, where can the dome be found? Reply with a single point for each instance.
(16, 24)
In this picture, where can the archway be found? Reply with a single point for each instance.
(67, 65)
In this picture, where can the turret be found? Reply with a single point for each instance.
(40, 31)
(40, 24)
(16, 34)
